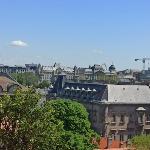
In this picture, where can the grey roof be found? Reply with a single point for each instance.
(129, 94)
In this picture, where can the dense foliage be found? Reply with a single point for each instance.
(27, 78)
(141, 142)
(58, 124)
(77, 127)
(25, 125)
(43, 84)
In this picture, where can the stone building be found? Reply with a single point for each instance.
(50, 73)
(116, 111)
(7, 84)
(34, 68)
(97, 73)
(12, 69)
(19, 69)
(47, 73)
(144, 76)
(68, 71)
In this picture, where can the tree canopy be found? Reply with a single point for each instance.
(141, 142)
(58, 124)
(25, 125)
(44, 84)
(77, 128)
(27, 78)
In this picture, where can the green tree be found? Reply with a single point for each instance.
(44, 84)
(57, 124)
(77, 128)
(25, 125)
(27, 78)
(141, 142)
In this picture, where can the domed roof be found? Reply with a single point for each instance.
(112, 68)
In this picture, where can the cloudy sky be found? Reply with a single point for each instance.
(75, 32)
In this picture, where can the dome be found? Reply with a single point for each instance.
(112, 68)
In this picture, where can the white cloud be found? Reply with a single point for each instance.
(18, 43)
(97, 51)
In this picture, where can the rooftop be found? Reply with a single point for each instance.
(129, 94)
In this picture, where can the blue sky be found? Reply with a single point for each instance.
(75, 32)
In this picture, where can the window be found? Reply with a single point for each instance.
(122, 119)
(147, 117)
(113, 135)
(113, 118)
(131, 119)
(140, 118)
(121, 137)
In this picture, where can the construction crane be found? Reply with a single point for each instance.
(143, 61)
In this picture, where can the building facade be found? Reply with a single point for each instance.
(12, 69)
(50, 73)
(116, 111)
(47, 73)
(19, 69)
(97, 73)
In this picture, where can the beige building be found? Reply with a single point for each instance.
(50, 73)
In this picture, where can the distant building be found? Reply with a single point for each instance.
(144, 76)
(127, 76)
(47, 73)
(97, 73)
(116, 111)
(68, 71)
(50, 73)
(12, 69)
(112, 69)
(32, 68)
(19, 69)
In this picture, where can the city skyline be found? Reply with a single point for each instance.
(78, 33)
